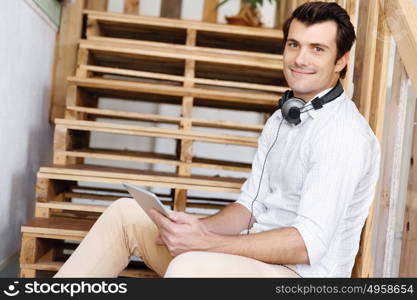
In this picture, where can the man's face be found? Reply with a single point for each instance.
(309, 58)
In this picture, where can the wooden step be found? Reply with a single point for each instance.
(90, 211)
(174, 30)
(122, 89)
(145, 178)
(39, 245)
(117, 114)
(95, 69)
(182, 52)
(94, 126)
(154, 158)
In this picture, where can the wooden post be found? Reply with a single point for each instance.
(397, 151)
(210, 11)
(365, 51)
(131, 7)
(180, 195)
(96, 5)
(70, 31)
(408, 263)
(66, 53)
(364, 260)
(171, 9)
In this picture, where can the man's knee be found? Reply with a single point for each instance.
(124, 203)
(128, 210)
(188, 264)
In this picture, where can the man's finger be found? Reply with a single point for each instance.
(161, 221)
(181, 217)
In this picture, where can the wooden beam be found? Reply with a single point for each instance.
(402, 20)
(66, 53)
(365, 51)
(248, 31)
(210, 11)
(171, 9)
(185, 146)
(397, 151)
(364, 261)
(408, 263)
(162, 76)
(151, 131)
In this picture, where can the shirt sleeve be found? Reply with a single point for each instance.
(249, 189)
(336, 161)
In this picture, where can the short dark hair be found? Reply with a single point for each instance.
(317, 12)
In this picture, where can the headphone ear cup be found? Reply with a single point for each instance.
(291, 110)
(284, 98)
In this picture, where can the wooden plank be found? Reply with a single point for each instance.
(144, 182)
(133, 174)
(255, 100)
(72, 206)
(365, 51)
(94, 126)
(364, 260)
(210, 11)
(185, 24)
(131, 7)
(58, 226)
(161, 76)
(65, 53)
(171, 9)
(402, 21)
(55, 266)
(396, 149)
(408, 263)
(183, 52)
(148, 157)
(165, 119)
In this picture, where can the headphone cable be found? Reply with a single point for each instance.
(262, 173)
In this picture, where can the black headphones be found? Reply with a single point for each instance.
(291, 107)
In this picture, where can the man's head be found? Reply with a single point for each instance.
(318, 37)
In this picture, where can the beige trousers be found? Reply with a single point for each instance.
(124, 230)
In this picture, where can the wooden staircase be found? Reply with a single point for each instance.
(186, 64)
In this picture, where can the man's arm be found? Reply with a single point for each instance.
(183, 232)
(278, 246)
(230, 220)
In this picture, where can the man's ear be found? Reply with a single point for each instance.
(342, 62)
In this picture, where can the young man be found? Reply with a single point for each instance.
(305, 201)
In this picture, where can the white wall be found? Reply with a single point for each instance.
(26, 55)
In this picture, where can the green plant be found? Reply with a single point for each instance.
(253, 3)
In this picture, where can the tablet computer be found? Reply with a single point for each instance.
(146, 199)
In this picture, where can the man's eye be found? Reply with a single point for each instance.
(292, 45)
(318, 49)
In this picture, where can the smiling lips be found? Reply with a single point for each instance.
(299, 72)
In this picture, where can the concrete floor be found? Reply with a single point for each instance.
(10, 268)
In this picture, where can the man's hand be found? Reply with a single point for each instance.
(182, 232)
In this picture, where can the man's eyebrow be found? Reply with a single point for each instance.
(319, 45)
(311, 44)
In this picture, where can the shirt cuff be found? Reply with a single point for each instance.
(315, 247)
(247, 202)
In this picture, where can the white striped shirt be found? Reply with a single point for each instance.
(319, 178)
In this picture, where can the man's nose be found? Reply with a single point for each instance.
(301, 58)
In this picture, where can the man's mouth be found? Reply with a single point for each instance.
(301, 72)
